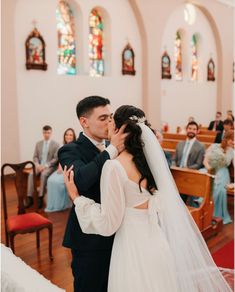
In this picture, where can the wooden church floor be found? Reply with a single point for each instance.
(58, 271)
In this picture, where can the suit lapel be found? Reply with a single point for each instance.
(40, 146)
(192, 150)
(182, 150)
(87, 144)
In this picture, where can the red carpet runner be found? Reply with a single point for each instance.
(224, 257)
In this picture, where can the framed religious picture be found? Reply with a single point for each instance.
(166, 66)
(211, 70)
(35, 51)
(128, 61)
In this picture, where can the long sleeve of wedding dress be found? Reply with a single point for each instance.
(104, 218)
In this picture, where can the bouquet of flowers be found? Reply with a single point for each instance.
(216, 157)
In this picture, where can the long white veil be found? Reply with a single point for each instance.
(196, 270)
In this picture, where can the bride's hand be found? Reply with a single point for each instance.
(69, 183)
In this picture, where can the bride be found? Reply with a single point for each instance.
(157, 246)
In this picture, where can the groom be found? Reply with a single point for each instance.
(90, 253)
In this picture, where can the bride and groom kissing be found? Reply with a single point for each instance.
(126, 189)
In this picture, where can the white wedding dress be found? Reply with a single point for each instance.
(159, 249)
(141, 259)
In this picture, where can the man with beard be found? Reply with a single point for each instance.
(190, 153)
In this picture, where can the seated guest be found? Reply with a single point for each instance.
(217, 125)
(190, 153)
(217, 159)
(57, 198)
(45, 159)
(167, 153)
(182, 131)
(230, 115)
(227, 125)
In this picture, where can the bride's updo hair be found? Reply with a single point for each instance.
(130, 115)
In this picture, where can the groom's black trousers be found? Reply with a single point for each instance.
(90, 270)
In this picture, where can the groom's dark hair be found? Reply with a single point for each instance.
(87, 104)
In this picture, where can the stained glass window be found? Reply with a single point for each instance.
(194, 58)
(66, 39)
(178, 57)
(96, 44)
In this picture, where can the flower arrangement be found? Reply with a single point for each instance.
(216, 157)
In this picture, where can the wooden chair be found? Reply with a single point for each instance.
(23, 222)
(197, 184)
(27, 171)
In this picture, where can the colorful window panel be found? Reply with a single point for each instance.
(194, 59)
(66, 39)
(178, 57)
(96, 44)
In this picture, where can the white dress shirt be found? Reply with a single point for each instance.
(191, 141)
(112, 150)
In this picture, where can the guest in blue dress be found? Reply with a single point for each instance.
(57, 198)
(218, 157)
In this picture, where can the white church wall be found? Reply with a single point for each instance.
(181, 99)
(155, 17)
(47, 98)
(10, 147)
(23, 92)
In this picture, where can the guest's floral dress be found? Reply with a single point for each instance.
(219, 161)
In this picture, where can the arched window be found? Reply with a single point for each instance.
(96, 44)
(194, 58)
(66, 39)
(178, 57)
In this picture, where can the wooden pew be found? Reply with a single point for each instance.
(207, 132)
(182, 137)
(172, 151)
(203, 128)
(197, 184)
(172, 143)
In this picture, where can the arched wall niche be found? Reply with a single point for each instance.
(186, 97)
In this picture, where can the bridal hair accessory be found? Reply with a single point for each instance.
(138, 120)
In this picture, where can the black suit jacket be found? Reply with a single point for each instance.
(219, 128)
(88, 162)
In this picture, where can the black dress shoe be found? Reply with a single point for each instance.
(40, 202)
(29, 202)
